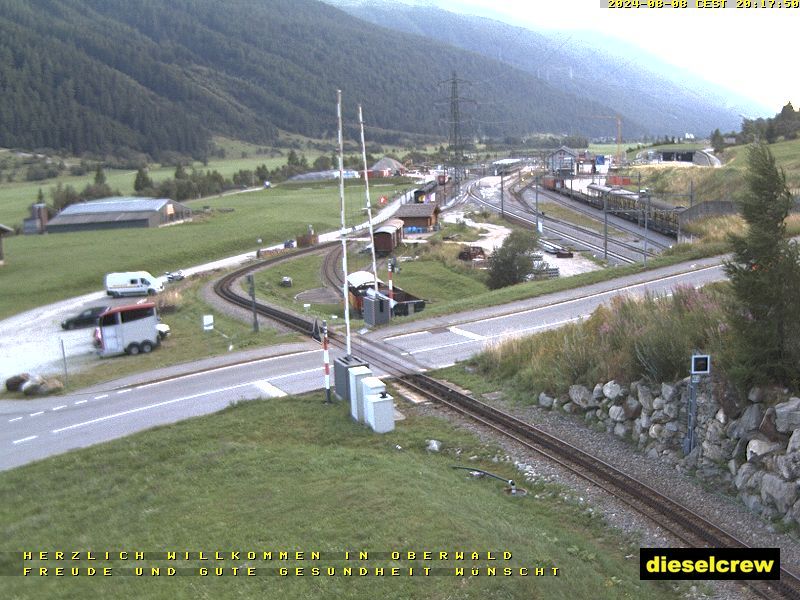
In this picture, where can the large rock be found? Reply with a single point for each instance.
(545, 401)
(668, 392)
(743, 475)
(787, 415)
(597, 392)
(581, 396)
(632, 408)
(783, 494)
(644, 396)
(749, 421)
(616, 413)
(622, 430)
(757, 448)
(768, 428)
(794, 442)
(671, 410)
(612, 390)
(788, 465)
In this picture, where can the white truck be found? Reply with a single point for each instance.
(128, 329)
(133, 283)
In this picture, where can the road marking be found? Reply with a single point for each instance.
(149, 406)
(15, 419)
(125, 391)
(81, 402)
(467, 334)
(508, 333)
(36, 414)
(27, 439)
(220, 369)
(314, 370)
(101, 396)
(269, 389)
(60, 407)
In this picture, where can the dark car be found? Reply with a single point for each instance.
(85, 318)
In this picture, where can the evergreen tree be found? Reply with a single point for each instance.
(765, 277)
(99, 176)
(142, 181)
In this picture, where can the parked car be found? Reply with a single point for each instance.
(85, 318)
(173, 275)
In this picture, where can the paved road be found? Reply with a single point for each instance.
(33, 429)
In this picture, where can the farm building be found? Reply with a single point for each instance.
(390, 165)
(388, 236)
(117, 213)
(418, 217)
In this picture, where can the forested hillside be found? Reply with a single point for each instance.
(157, 75)
(666, 101)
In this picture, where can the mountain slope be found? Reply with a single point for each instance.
(586, 65)
(156, 75)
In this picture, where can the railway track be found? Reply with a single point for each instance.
(686, 525)
(594, 215)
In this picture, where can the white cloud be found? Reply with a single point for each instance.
(749, 51)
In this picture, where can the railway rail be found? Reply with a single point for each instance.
(689, 527)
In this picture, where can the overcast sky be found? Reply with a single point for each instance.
(751, 51)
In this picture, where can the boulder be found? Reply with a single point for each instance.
(768, 427)
(643, 394)
(622, 430)
(597, 392)
(668, 392)
(749, 421)
(671, 410)
(655, 431)
(612, 390)
(794, 442)
(545, 401)
(758, 447)
(434, 446)
(782, 494)
(658, 403)
(787, 415)
(632, 408)
(755, 395)
(580, 395)
(743, 475)
(616, 413)
(788, 465)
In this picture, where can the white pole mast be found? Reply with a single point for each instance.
(369, 204)
(345, 289)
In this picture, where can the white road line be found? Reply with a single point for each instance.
(314, 370)
(405, 335)
(149, 406)
(125, 391)
(218, 370)
(101, 396)
(15, 419)
(27, 439)
(36, 414)
(60, 407)
(269, 389)
(81, 402)
(509, 333)
(467, 334)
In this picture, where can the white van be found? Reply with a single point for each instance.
(127, 329)
(133, 283)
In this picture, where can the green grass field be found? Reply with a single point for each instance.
(293, 475)
(44, 268)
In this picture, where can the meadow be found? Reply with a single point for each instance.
(292, 475)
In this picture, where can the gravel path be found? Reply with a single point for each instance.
(725, 511)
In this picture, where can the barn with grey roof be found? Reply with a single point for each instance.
(118, 213)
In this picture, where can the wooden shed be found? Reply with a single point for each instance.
(388, 236)
(418, 218)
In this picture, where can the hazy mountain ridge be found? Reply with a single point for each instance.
(667, 100)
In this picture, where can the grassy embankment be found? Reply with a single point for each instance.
(288, 474)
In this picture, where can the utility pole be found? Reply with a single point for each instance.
(252, 281)
(502, 195)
